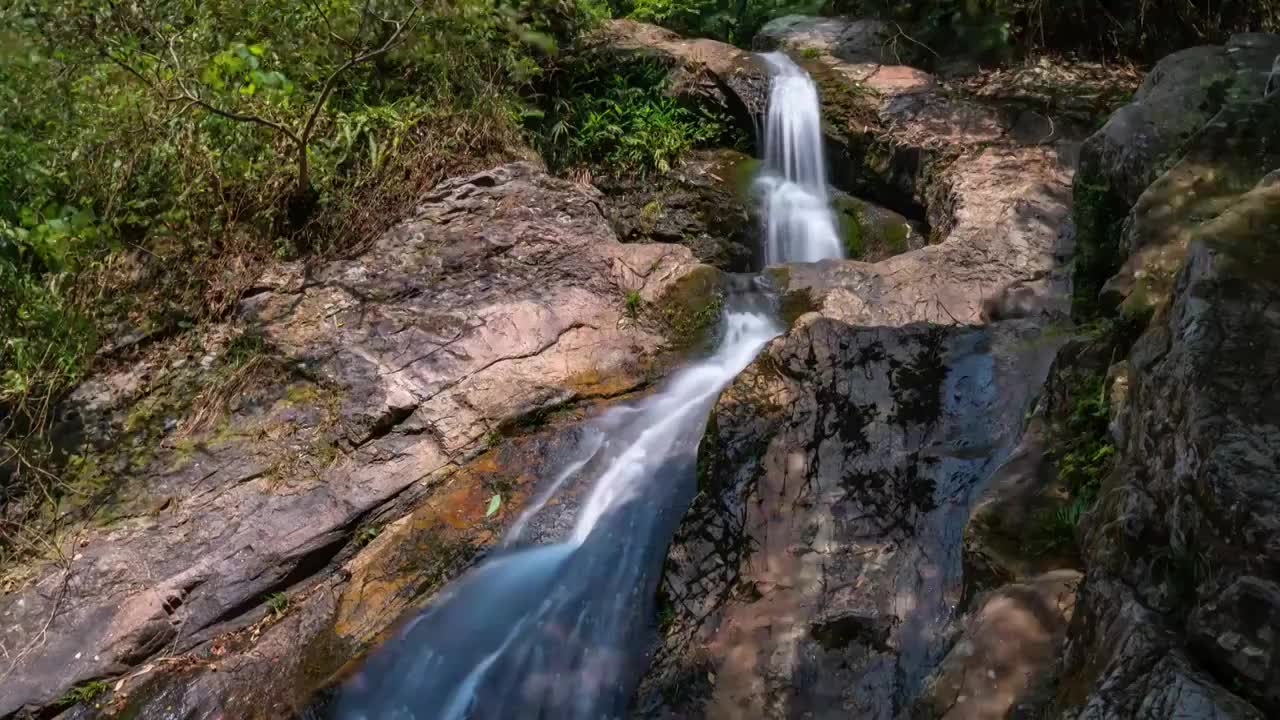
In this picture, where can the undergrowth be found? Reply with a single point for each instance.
(1143, 30)
(616, 119)
(154, 156)
(1083, 453)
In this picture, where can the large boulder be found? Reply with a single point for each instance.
(343, 450)
(862, 39)
(816, 573)
(705, 204)
(1138, 143)
(1178, 617)
(1224, 160)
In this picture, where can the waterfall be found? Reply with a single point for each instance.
(558, 630)
(799, 224)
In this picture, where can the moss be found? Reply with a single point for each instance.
(1099, 214)
(779, 277)
(796, 303)
(853, 233)
(690, 309)
(1138, 307)
(742, 174)
(895, 237)
(708, 454)
(650, 214)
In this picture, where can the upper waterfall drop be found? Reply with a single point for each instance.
(799, 223)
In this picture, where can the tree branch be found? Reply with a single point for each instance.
(332, 81)
(333, 34)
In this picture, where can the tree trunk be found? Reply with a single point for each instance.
(304, 169)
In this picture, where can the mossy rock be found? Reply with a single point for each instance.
(1099, 215)
(689, 310)
(872, 233)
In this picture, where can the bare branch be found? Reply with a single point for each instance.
(333, 34)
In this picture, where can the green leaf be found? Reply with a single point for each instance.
(495, 502)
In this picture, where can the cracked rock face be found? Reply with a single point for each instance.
(1178, 617)
(503, 296)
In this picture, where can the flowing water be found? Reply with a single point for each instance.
(554, 631)
(799, 224)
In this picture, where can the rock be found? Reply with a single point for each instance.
(1004, 646)
(1239, 631)
(1223, 161)
(705, 205)
(376, 387)
(1144, 138)
(1004, 515)
(813, 575)
(1181, 549)
(1123, 663)
(855, 40)
(707, 72)
(1007, 208)
(873, 232)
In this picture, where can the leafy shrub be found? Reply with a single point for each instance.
(735, 21)
(619, 120)
(1139, 29)
(154, 155)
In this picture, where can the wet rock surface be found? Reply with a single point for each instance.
(351, 475)
(819, 572)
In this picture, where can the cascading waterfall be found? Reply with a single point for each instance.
(554, 631)
(799, 224)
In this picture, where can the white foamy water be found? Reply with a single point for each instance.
(799, 224)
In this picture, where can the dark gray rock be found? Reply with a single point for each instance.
(1179, 611)
(817, 572)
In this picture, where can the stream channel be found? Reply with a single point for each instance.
(556, 628)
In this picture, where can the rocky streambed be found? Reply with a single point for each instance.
(869, 488)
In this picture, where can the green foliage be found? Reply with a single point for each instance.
(243, 348)
(84, 693)
(1084, 456)
(1099, 215)
(735, 21)
(1054, 529)
(277, 603)
(619, 120)
(633, 302)
(154, 155)
(1140, 29)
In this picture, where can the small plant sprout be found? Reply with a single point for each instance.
(84, 693)
(633, 302)
(277, 603)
